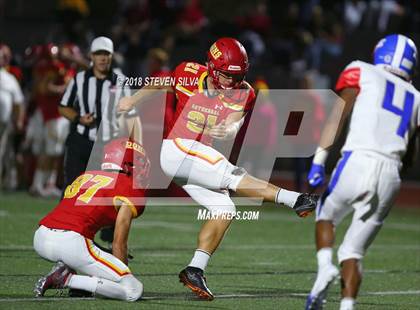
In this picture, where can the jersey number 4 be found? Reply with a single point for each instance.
(405, 113)
(99, 181)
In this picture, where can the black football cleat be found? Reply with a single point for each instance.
(305, 204)
(194, 279)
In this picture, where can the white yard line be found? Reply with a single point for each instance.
(391, 293)
(402, 226)
(383, 293)
(45, 299)
(4, 213)
(386, 293)
(187, 227)
(236, 247)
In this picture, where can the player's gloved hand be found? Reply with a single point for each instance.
(316, 175)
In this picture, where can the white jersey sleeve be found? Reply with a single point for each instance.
(11, 85)
(386, 111)
(16, 90)
(10, 94)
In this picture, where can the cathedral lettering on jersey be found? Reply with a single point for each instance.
(204, 110)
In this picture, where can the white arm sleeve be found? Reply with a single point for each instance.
(320, 157)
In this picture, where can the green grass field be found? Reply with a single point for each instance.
(264, 264)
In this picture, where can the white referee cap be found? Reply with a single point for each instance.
(102, 44)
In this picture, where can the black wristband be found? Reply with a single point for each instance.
(76, 120)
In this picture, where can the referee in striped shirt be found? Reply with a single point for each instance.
(90, 104)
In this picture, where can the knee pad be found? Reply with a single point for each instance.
(133, 287)
(358, 238)
(346, 252)
(234, 177)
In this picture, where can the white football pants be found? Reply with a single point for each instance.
(105, 274)
(204, 173)
(367, 183)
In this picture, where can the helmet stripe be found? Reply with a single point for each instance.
(407, 59)
(397, 54)
(399, 51)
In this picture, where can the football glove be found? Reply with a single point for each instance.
(316, 175)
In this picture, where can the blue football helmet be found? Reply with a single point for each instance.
(397, 54)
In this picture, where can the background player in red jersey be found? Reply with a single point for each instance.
(47, 129)
(212, 102)
(95, 200)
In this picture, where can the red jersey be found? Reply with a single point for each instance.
(90, 203)
(45, 72)
(195, 110)
(16, 71)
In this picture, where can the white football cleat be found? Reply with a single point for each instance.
(325, 277)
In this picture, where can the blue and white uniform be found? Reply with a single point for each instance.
(386, 114)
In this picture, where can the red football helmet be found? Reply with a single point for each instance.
(5, 55)
(32, 54)
(129, 157)
(70, 52)
(227, 57)
(49, 51)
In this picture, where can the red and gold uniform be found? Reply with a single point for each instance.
(90, 203)
(47, 128)
(93, 201)
(196, 110)
(46, 72)
(187, 152)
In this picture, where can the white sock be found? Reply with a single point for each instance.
(347, 303)
(287, 197)
(52, 178)
(200, 259)
(39, 179)
(85, 283)
(324, 257)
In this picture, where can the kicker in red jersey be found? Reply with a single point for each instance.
(196, 110)
(90, 203)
